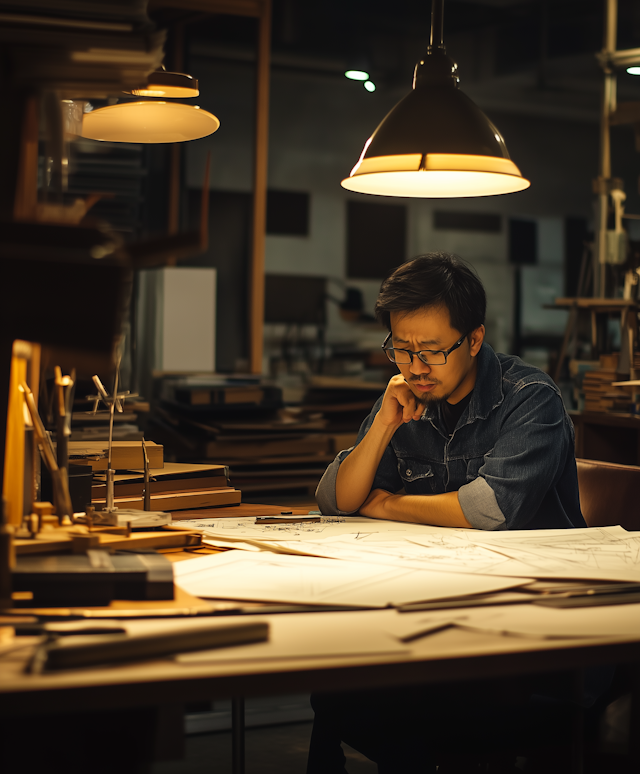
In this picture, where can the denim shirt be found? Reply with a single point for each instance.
(510, 458)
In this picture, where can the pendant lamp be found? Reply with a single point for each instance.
(153, 121)
(435, 142)
(164, 84)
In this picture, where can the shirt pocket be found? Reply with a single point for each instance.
(413, 471)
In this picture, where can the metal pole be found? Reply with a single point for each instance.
(437, 25)
(608, 107)
(237, 735)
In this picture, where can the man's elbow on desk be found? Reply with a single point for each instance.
(440, 510)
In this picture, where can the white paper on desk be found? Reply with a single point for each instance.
(607, 553)
(311, 635)
(329, 526)
(550, 623)
(270, 577)
(453, 556)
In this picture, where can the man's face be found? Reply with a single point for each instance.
(430, 328)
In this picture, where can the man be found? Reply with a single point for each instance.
(462, 437)
(485, 436)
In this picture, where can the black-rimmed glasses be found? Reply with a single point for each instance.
(429, 357)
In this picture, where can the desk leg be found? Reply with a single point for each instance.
(577, 735)
(237, 735)
(634, 720)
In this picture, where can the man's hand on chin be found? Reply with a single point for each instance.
(373, 506)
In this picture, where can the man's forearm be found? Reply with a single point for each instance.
(442, 510)
(357, 471)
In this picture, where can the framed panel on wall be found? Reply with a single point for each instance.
(288, 213)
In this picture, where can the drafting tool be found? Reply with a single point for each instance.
(290, 520)
(588, 600)
(99, 649)
(64, 509)
(113, 403)
(147, 488)
(472, 600)
(584, 596)
(111, 515)
(63, 391)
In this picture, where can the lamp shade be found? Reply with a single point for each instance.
(435, 143)
(148, 122)
(168, 86)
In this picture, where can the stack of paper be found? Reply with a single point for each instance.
(272, 577)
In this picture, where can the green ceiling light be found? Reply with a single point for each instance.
(635, 70)
(357, 75)
(369, 85)
(435, 142)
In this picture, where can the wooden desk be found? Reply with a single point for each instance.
(447, 656)
(156, 690)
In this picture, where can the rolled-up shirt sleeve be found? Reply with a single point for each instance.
(525, 463)
(387, 476)
(479, 505)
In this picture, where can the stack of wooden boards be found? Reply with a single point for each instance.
(125, 455)
(598, 393)
(245, 425)
(173, 486)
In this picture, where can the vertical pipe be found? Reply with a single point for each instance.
(611, 25)
(608, 107)
(175, 151)
(543, 48)
(437, 25)
(256, 288)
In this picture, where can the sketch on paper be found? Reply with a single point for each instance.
(273, 577)
(328, 526)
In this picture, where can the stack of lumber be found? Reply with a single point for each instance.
(267, 446)
(125, 455)
(174, 487)
(219, 393)
(344, 401)
(599, 394)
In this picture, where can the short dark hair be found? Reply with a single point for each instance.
(434, 279)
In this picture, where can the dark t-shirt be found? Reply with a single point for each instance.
(451, 412)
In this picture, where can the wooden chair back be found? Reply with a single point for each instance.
(609, 493)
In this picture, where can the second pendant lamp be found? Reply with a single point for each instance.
(435, 142)
(153, 121)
